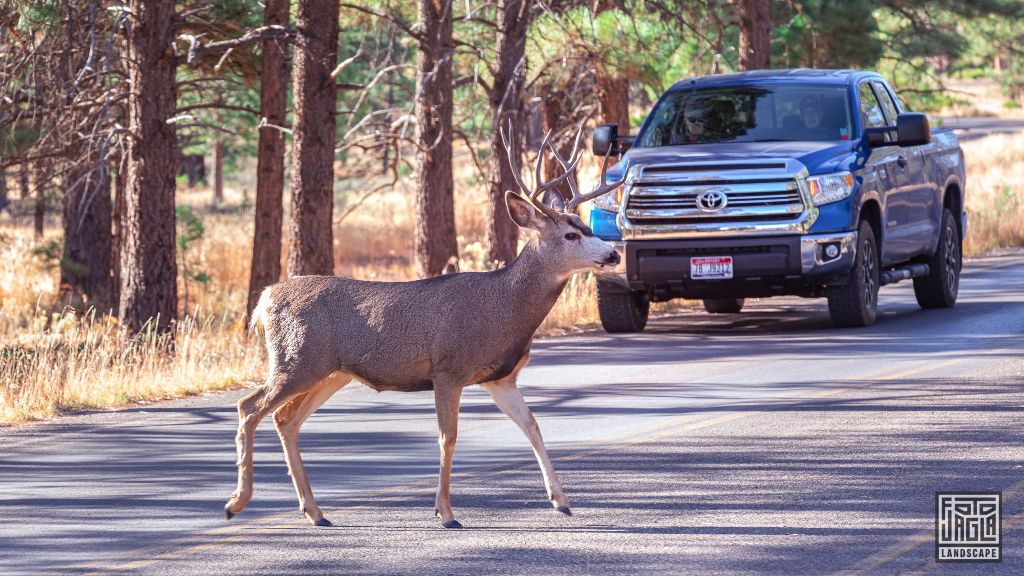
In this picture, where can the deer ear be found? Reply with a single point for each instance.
(522, 212)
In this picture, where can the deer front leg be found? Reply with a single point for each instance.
(508, 398)
(447, 394)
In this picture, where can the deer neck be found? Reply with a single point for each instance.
(534, 284)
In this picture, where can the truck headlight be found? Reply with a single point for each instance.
(830, 187)
(613, 200)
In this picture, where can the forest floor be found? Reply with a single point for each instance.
(53, 361)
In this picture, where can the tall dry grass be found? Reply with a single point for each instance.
(54, 359)
(994, 193)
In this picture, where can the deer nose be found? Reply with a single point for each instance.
(613, 258)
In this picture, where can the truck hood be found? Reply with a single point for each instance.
(818, 157)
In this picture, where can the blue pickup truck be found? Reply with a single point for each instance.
(816, 183)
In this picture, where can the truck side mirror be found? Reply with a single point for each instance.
(912, 129)
(606, 136)
(876, 136)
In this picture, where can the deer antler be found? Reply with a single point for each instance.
(569, 167)
(541, 185)
(603, 186)
(565, 165)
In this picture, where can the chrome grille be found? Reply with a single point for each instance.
(768, 199)
(762, 196)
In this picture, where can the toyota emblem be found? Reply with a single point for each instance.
(712, 200)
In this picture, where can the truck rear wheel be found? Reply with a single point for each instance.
(939, 288)
(723, 305)
(856, 303)
(621, 310)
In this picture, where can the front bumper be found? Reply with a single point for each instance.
(761, 266)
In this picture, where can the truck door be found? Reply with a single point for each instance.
(917, 202)
(892, 178)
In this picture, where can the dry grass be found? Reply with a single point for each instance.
(994, 193)
(52, 361)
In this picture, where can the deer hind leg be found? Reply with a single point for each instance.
(279, 388)
(446, 400)
(289, 419)
(508, 398)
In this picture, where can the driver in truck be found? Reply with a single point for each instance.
(811, 112)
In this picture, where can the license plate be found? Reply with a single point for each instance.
(711, 267)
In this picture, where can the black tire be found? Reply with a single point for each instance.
(622, 311)
(940, 287)
(723, 305)
(856, 303)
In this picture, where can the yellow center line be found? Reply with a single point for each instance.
(195, 544)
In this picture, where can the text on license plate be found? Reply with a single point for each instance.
(711, 267)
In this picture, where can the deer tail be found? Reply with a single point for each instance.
(257, 324)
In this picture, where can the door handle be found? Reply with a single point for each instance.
(902, 161)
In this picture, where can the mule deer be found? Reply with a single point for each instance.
(439, 334)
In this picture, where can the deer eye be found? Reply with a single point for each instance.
(572, 236)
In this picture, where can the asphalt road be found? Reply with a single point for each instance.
(762, 443)
(974, 127)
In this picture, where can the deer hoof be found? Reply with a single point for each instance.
(452, 524)
(565, 510)
(323, 522)
(228, 514)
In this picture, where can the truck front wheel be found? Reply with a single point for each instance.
(939, 288)
(856, 303)
(723, 305)
(621, 310)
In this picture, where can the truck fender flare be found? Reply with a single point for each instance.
(873, 196)
(953, 181)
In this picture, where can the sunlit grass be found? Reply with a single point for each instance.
(995, 192)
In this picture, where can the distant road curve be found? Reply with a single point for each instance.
(974, 127)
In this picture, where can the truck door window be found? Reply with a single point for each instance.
(900, 106)
(887, 104)
(870, 110)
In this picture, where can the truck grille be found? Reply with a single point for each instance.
(739, 200)
(706, 199)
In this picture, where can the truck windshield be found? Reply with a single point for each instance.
(791, 113)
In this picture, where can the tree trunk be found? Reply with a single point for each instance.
(506, 105)
(434, 241)
(311, 236)
(119, 181)
(148, 270)
(266, 248)
(4, 201)
(23, 180)
(755, 34)
(553, 120)
(614, 100)
(614, 89)
(39, 211)
(218, 172)
(86, 263)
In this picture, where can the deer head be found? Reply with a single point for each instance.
(562, 235)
